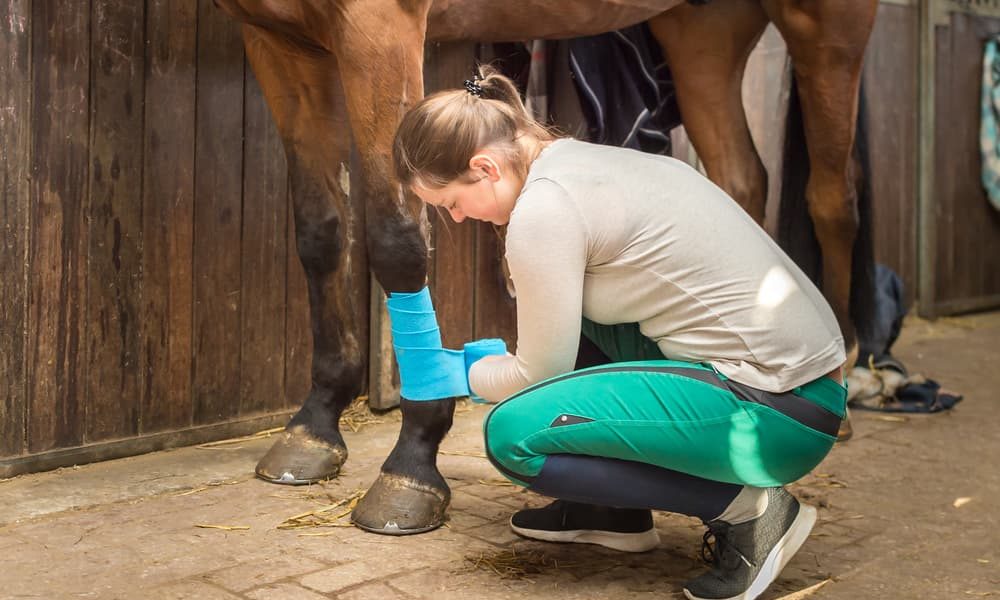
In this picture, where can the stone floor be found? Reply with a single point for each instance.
(908, 509)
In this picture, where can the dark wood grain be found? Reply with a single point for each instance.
(114, 274)
(495, 311)
(890, 83)
(168, 215)
(218, 190)
(968, 274)
(265, 227)
(15, 157)
(59, 209)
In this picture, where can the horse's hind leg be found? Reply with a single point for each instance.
(302, 90)
(382, 76)
(707, 48)
(826, 40)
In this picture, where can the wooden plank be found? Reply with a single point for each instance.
(890, 85)
(168, 215)
(383, 375)
(265, 226)
(495, 310)
(114, 274)
(926, 239)
(142, 444)
(454, 282)
(15, 159)
(975, 236)
(218, 189)
(57, 253)
(941, 229)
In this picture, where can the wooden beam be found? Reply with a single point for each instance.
(926, 238)
(54, 459)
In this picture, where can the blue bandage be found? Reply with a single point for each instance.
(426, 370)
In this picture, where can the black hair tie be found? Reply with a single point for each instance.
(472, 86)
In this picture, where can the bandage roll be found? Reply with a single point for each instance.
(481, 348)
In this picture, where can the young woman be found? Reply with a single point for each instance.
(669, 355)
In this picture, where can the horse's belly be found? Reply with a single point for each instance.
(515, 20)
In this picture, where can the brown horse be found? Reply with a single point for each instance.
(333, 69)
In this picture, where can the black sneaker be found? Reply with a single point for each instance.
(747, 557)
(625, 529)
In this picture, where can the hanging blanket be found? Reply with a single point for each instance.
(625, 88)
(989, 140)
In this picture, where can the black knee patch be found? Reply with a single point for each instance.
(397, 254)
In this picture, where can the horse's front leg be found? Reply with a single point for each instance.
(302, 89)
(382, 77)
(826, 40)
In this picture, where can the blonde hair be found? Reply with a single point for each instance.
(439, 135)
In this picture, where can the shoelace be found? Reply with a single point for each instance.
(716, 554)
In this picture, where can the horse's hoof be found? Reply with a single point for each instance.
(846, 430)
(398, 505)
(298, 458)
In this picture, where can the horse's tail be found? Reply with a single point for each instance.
(795, 231)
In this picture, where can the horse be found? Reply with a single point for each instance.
(333, 71)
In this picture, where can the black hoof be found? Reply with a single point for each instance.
(398, 505)
(298, 458)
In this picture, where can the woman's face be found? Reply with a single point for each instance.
(477, 200)
(487, 192)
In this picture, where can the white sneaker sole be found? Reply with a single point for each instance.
(778, 557)
(624, 542)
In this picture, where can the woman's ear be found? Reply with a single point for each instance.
(486, 164)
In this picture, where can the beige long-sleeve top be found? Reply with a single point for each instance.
(619, 236)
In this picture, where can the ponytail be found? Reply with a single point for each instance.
(436, 138)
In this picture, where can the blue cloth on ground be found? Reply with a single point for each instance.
(427, 371)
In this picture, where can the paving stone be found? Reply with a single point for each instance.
(284, 591)
(260, 572)
(371, 591)
(188, 590)
(349, 574)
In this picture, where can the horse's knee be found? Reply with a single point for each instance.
(320, 243)
(748, 186)
(833, 210)
(397, 254)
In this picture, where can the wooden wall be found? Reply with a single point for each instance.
(890, 84)
(149, 289)
(964, 228)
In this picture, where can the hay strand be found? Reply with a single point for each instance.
(223, 527)
(496, 482)
(209, 485)
(806, 592)
(462, 453)
(322, 517)
(513, 564)
(220, 445)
